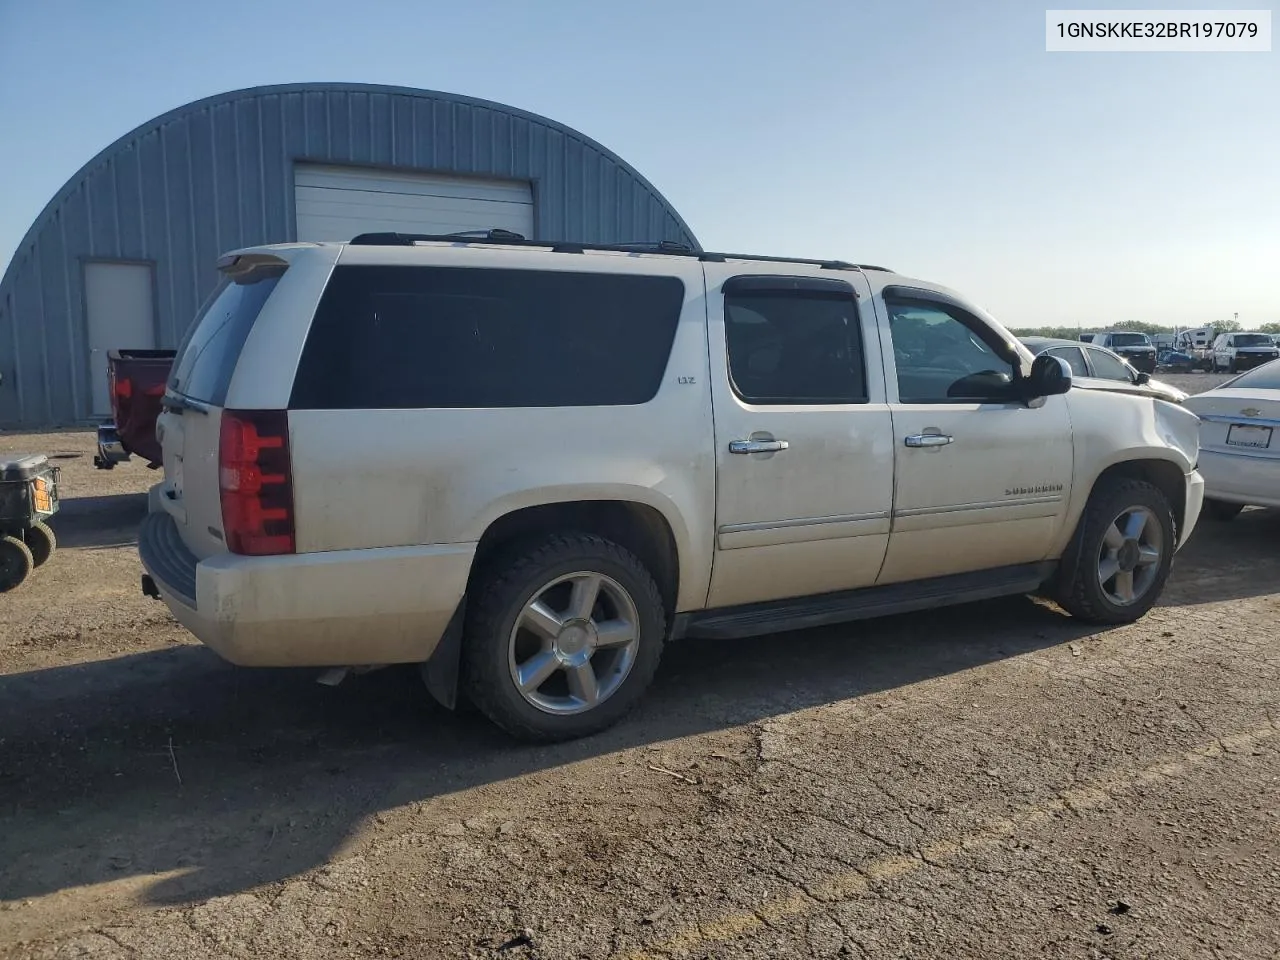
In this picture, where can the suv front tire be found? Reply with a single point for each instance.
(563, 638)
(1122, 553)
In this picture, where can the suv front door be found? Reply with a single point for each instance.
(982, 479)
(804, 441)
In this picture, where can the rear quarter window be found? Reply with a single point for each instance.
(208, 354)
(439, 337)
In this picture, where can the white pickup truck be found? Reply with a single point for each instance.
(528, 466)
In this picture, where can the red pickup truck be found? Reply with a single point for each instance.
(136, 379)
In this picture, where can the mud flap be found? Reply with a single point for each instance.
(440, 673)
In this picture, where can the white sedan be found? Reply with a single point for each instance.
(1240, 441)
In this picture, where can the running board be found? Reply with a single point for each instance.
(776, 616)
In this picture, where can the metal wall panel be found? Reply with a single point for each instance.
(218, 174)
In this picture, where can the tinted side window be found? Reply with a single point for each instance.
(1109, 367)
(1074, 357)
(209, 352)
(794, 347)
(422, 337)
(940, 356)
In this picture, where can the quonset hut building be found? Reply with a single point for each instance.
(125, 253)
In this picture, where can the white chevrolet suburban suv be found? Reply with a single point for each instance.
(527, 466)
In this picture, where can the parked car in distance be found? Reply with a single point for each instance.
(136, 380)
(1240, 441)
(1134, 347)
(1234, 352)
(1176, 361)
(529, 465)
(1095, 368)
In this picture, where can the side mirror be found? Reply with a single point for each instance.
(1049, 377)
(1142, 379)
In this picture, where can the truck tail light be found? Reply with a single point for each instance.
(255, 482)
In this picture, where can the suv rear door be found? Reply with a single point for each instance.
(804, 455)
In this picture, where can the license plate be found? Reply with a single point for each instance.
(43, 496)
(1241, 435)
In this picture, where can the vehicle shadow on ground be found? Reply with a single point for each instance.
(278, 771)
(197, 779)
(105, 521)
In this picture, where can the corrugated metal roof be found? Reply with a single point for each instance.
(218, 174)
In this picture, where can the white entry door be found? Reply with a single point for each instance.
(120, 315)
(338, 203)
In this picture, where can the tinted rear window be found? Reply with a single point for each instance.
(211, 348)
(1253, 340)
(1266, 377)
(422, 337)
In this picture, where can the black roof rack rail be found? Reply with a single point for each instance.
(409, 239)
(669, 247)
(824, 264)
(508, 238)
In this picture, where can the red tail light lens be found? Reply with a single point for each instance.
(255, 480)
(124, 387)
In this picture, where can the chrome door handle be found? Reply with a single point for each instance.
(757, 446)
(929, 440)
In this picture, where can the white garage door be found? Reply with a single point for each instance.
(337, 203)
(121, 316)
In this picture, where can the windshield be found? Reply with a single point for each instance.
(1130, 340)
(208, 354)
(1254, 340)
(1265, 377)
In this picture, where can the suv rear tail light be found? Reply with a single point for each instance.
(255, 482)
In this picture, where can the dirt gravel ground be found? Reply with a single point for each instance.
(989, 781)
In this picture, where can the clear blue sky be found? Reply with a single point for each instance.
(931, 136)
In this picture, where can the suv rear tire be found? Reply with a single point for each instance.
(563, 638)
(1121, 556)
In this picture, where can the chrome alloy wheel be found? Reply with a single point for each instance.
(574, 643)
(1129, 560)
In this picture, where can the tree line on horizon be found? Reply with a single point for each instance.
(1137, 326)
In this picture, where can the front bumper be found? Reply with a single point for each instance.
(1248, 478)
(1192, 506)
(1247, 361)
(1143, 362)
(333, 609)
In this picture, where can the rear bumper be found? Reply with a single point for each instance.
(332, 609)
(110, 450)
(1241, 478)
